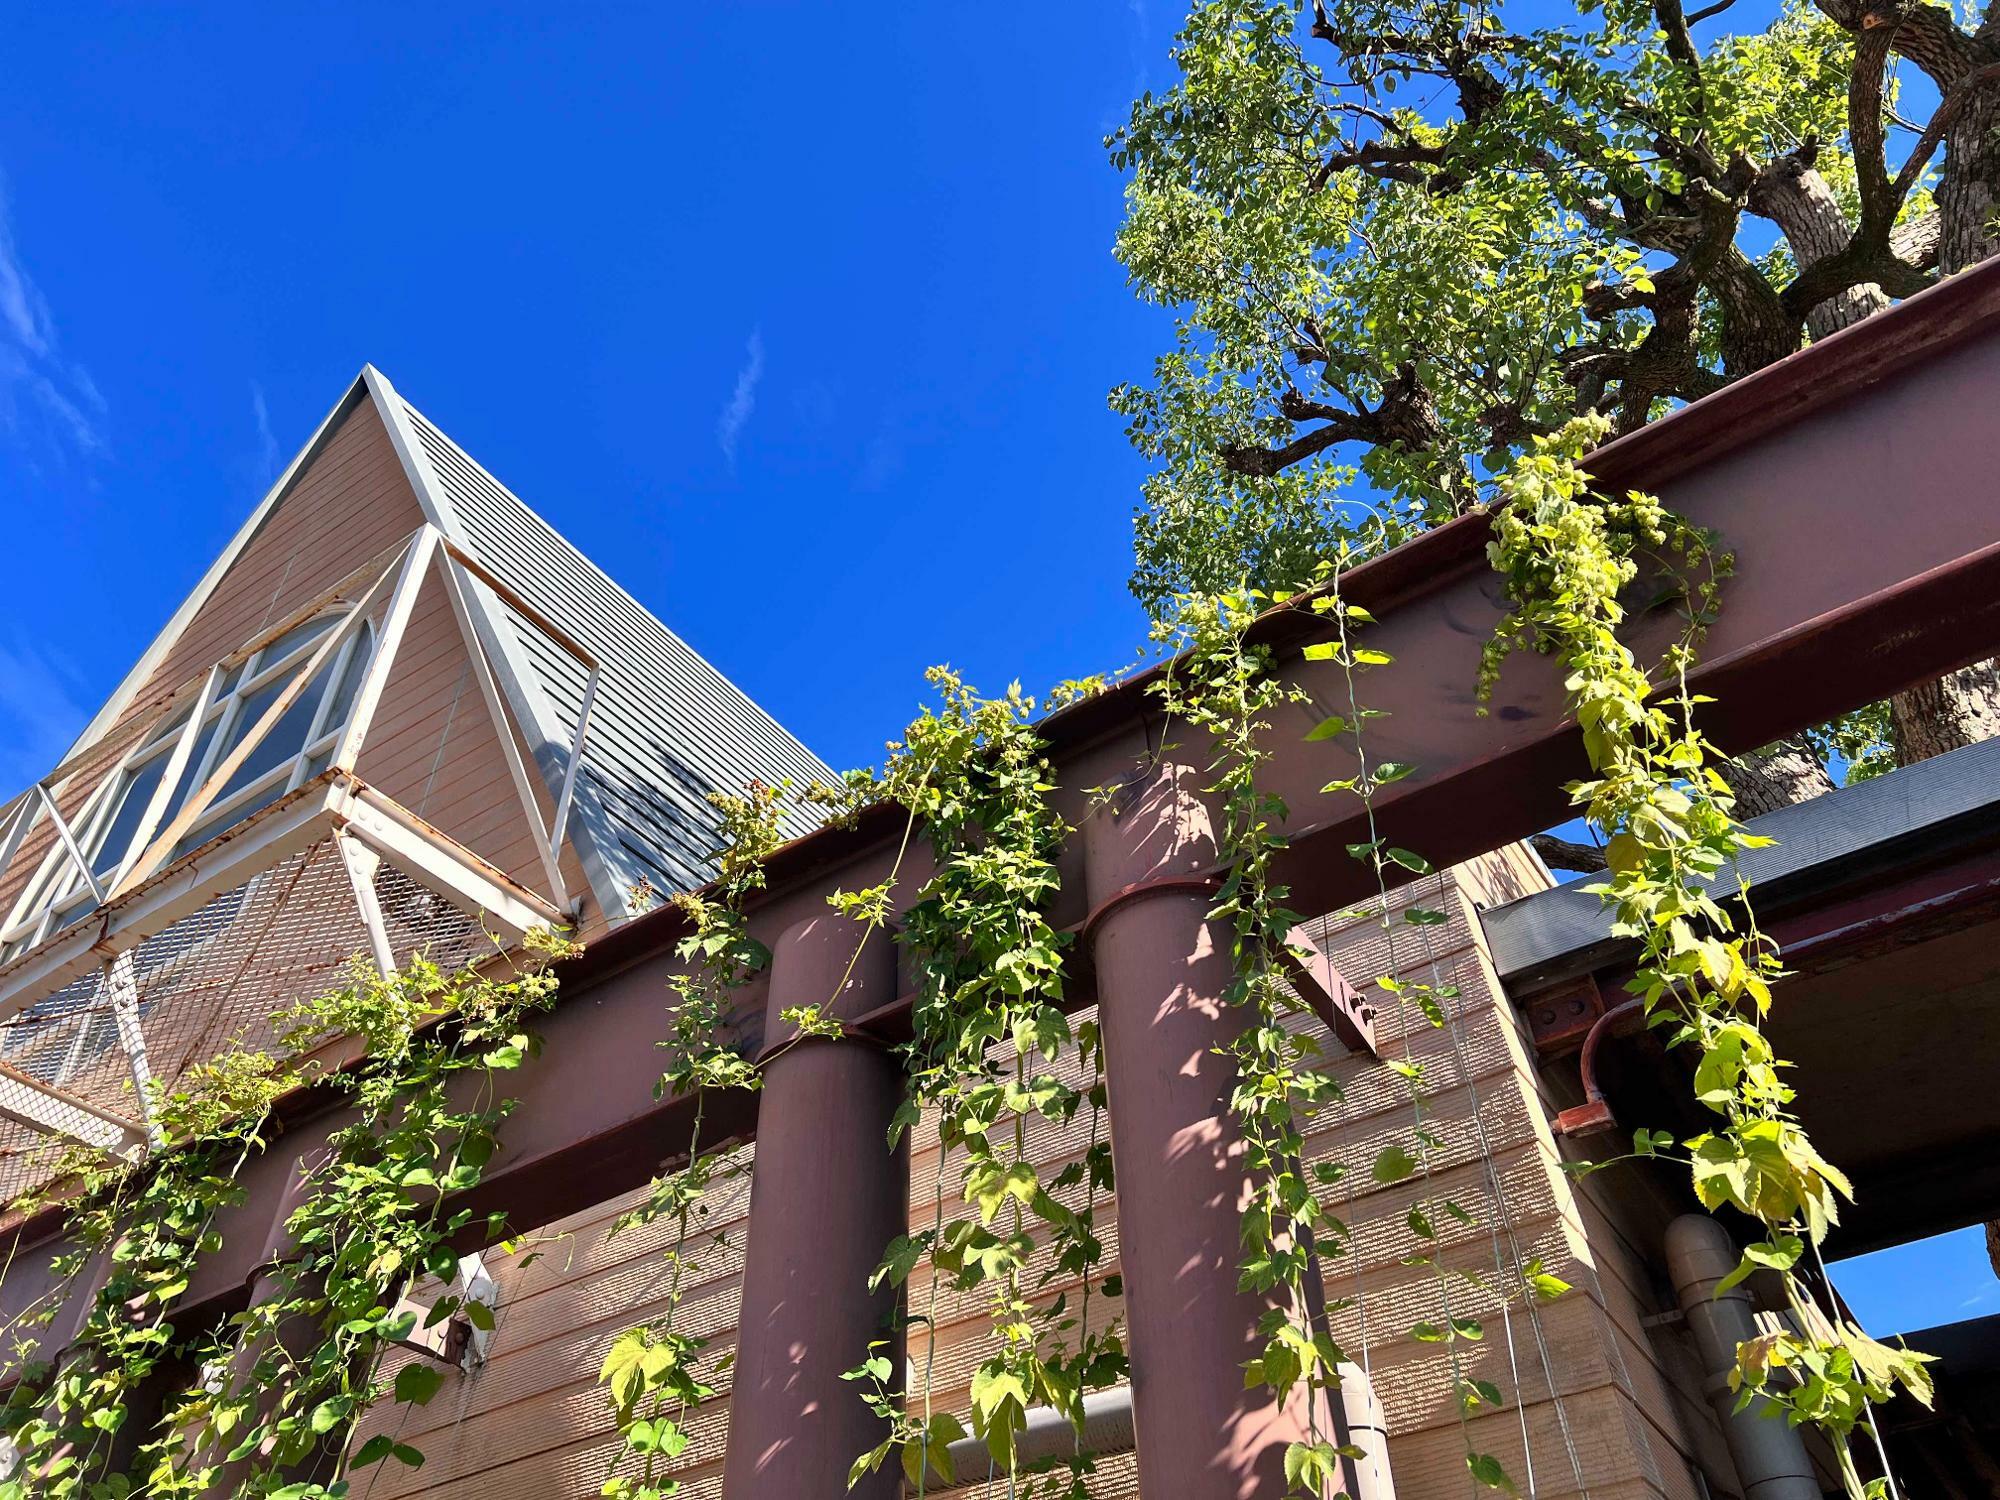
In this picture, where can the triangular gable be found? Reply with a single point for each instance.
(350, 498)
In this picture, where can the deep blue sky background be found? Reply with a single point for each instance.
(560, 239)
(798, 320)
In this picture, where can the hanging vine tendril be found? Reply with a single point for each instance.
(285, 1381)
(1705, 971)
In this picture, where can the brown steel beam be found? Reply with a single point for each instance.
(1853, 482)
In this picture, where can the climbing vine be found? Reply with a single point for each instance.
(994, 1065)
(283, 1383)
(993, 1052)
(1226, 688)
(1223, 688)
(1705, 971)
(653, 1371)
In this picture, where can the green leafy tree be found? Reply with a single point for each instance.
(1402, 239)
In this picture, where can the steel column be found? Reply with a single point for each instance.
(294, 1339)
(1162, 970)
(827, 1196)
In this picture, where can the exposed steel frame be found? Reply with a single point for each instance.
(1871, 452)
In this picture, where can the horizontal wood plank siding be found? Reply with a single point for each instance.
(533, 1422)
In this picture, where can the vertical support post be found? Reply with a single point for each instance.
(362, 864)
(826, 1198)
(121, 988)
(269, 1344)
(1163, 969)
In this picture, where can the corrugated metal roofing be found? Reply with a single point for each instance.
(1934, 805)
(667, 728)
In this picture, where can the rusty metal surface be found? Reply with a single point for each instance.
(827, 1197)
(1164, 967)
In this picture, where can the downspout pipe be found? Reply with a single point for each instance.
(1769, 1454)
(1107, 1429)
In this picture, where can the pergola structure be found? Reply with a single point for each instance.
(1853, 482)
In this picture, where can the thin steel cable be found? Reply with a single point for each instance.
(1388, 929)
(1874, 1428)
(1453, 1029)
(1435, 970)
(1360, 1292)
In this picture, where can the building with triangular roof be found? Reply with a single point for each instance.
(399, 710)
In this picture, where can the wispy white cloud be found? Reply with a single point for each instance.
(1142, 43)
(743, 400)
(39, 713)
(267, 442)
(882, 459)
(46, 400)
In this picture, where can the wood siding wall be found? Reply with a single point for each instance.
(434, 747)
(532, 1422)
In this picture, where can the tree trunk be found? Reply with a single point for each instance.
(1777, 776)
(1968, 192)
(1960, 709)
(1793, 195)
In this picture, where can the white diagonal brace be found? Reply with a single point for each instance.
(362, 864)
(170, 778)
(568, 798)
(121, 988)
(503, 727)
(20, 813)
(68, 840)
(402, 604)
(197, 804)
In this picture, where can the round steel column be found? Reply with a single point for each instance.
(1162, 970)
(826, 1198)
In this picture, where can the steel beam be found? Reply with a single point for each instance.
(1868, 456)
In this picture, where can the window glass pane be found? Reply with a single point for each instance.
(75, 914)
(350, 679)
(293, 639)
(287, 737)
(125, 822)
(230, 819)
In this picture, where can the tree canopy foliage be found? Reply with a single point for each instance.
(1403, 238)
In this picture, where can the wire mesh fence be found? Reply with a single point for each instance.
(218, 979)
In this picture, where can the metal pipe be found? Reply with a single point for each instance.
(1107, 1429)
(827, 1195)
(1595, 1113)
(1163, 969)
(1770, 1456)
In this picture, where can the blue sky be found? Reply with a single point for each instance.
(801, 325)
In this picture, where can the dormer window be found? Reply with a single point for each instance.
(112, 819)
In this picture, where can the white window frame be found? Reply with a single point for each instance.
(58, 893)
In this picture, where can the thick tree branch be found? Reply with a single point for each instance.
(1562, 854)
(1406, 417)
(1791, 193)
(1948, 110)
(1925, 34)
